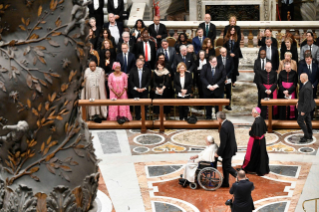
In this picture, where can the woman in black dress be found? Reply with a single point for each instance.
(161, 83)
(96, 30)
(231, 43)
(289, 46)
(107, 44)
(183, 87)
(92, 38)
(208, 47)
(137, 29)
(106, 64)
(287, 82)
(105, 35)
(182, 40)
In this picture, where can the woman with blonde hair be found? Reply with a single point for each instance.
(183, 87)
(289, 46)
(288, 59)
(208, 47)
(233, 22)
(107, 45)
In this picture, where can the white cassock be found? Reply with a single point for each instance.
(208, 154)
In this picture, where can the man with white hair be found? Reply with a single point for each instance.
(209, 28)
(126, 39)
(185, 57)
(256, 158)
(208, 154)
(227, 148)
(116, 28)
(305, 106)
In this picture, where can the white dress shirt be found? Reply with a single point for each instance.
(148, 50)
(115, 32)
(96, 4)
(201, 63)
(116, 3)
(268, 54)
(182, 81)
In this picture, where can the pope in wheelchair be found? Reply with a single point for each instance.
(202, 169)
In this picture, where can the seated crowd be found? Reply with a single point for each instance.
(140, 63)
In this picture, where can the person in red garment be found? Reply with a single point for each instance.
(256, 158)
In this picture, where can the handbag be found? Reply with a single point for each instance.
(120, 119)
(229, 202)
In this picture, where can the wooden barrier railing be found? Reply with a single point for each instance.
(143, 124)
(113, 124)
(282, 124)
(187, 102)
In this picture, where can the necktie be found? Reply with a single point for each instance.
(140, 77)
(125, 63)
(213, 71)
(157, 29)
(262, 64)
(207, 30)
(224, 61)
(166, 55)
(309, 68)
(184, 59)
(310, 49)
(201, 41)
(146, 51)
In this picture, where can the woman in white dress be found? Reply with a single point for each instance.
(94, 88)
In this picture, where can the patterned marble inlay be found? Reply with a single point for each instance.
(295, 138)
(156, 171)
(306, 149)
(290, 171)
(149, 139)
(109, 142)
(165, 207)
(141, 149)
(169, 147)
(280, 147)
(275, 207)
(197, 137)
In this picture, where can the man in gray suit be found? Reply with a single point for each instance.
(169, 53)
(305, 106)
(314, 49)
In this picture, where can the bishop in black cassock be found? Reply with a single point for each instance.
(287, 82)
(267, 85)
(256, 158)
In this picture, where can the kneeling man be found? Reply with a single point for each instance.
(206, 155)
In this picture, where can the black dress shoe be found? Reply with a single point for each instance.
(225, 186)
(228, 108)
(303, 140)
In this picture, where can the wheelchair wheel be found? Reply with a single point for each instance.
(193, 185)
(210, 179)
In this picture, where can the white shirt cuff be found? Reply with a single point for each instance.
(135, 88)
(209, 86)
(217, 86)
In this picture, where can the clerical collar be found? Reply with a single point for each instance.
(224, 121)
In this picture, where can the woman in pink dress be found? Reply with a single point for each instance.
(118, 84)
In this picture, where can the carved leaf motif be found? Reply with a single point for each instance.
(42, 60)
(22, 200)
(34, 36)
(29, 103)
(27, 50)
(56, 34)
(66, 176)
(41, 204)
(62, 200)
(58, 22)
(38, 87)
(23, 20)
(50, 168)
(39, 11)
(53, 4)
(2, 87)
(53, 43)
(22, 27)
(48, 78)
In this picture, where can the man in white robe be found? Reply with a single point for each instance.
(208, 154)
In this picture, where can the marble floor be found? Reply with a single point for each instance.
(140, 171)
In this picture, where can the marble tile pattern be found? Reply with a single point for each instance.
(165, 207)
(109, 142)
(276, 207)
(154, 171)
(284, 170)
(265, 187)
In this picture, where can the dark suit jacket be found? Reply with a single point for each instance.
(172, 54)
(118, 11)
(212, 31)
(97, 14)
(139, 49)
(313, 77)
(134, 81)
(236, 48)
(228, 69)
(238, 36)
(119, 26)
(162, 31)
(130, 61)
(263, 43)
(242, 196)
(207, 79)
(274, 56)
(305, 102)
(228, 145)
(197, 45)
(190, 63)
(131, 44)
(187, 85)
(257, 68)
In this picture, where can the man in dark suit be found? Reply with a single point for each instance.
(311, 69)
(259, 66)
(209, 28)
(126, 59)
(126, 39)
(96, 11)
(116, 7)
(157, 30)
(271, 53)
(225, 61)
(305, 106)
(314, 50)
(241, 190)
(262, 40)
(169, 53)
(227, 148)
(198, 40)
(139, 81)
(146, 48)
(185, 57)
(213, 81)
(308, 35)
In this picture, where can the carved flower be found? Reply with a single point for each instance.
(66, 62)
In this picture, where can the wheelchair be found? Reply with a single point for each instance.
(207, 176)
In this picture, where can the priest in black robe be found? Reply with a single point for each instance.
(267, 88)
(256, 158)
(287, 82)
